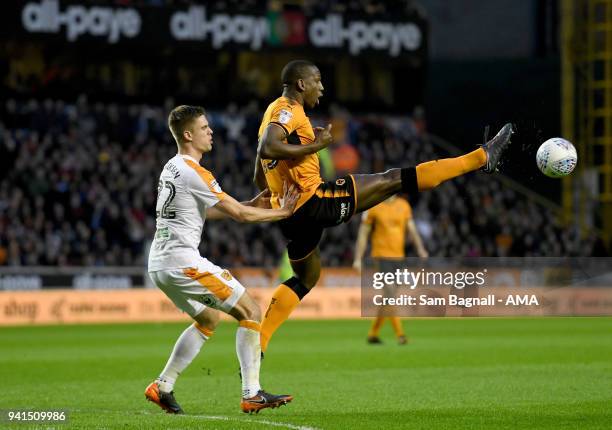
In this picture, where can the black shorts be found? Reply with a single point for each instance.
(333, 203)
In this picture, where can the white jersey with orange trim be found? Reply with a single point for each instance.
(185, 190)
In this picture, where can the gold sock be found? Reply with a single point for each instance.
(433, 173)
(376, 325)
(282, 304)
(396, 322)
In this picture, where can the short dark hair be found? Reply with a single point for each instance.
(181, 117)
(294, 70)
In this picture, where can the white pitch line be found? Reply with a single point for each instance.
(248, 420)
(220, 418)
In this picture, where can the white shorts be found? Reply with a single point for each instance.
(194, 289)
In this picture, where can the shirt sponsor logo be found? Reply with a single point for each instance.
(162, 234)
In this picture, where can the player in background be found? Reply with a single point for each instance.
(186, 191)
(388, 222)
(287, 153)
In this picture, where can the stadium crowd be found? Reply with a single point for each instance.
(79, 182)
(370, 7)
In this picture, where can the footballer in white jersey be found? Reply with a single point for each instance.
(186, 192)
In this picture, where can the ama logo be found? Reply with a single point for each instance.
(286, 28)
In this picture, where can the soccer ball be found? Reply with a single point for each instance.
(556, 157)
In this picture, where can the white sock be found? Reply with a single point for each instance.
(185, 350)
(248, 350)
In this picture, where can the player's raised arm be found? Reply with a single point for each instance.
(273, 145)
(250, 214)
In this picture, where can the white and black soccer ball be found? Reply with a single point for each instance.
(556, 157)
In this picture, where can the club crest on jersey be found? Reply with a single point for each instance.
(284, 116)
(226, 275)
(340, 182)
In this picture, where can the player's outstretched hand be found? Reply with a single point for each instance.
(323, 135)
(262, 200)
(290, 198)
(357, 264)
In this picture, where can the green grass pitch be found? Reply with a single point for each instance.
(549, 373)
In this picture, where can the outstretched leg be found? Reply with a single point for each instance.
(375, 188)
(370, 190)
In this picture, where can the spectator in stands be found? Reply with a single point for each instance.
(78, 187)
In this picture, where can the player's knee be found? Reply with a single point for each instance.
(310, 279)
(246, 309)
(214, 319)
(314, 279)
(252, 312)
(384, 183)
(307, 278)
(208, 320)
